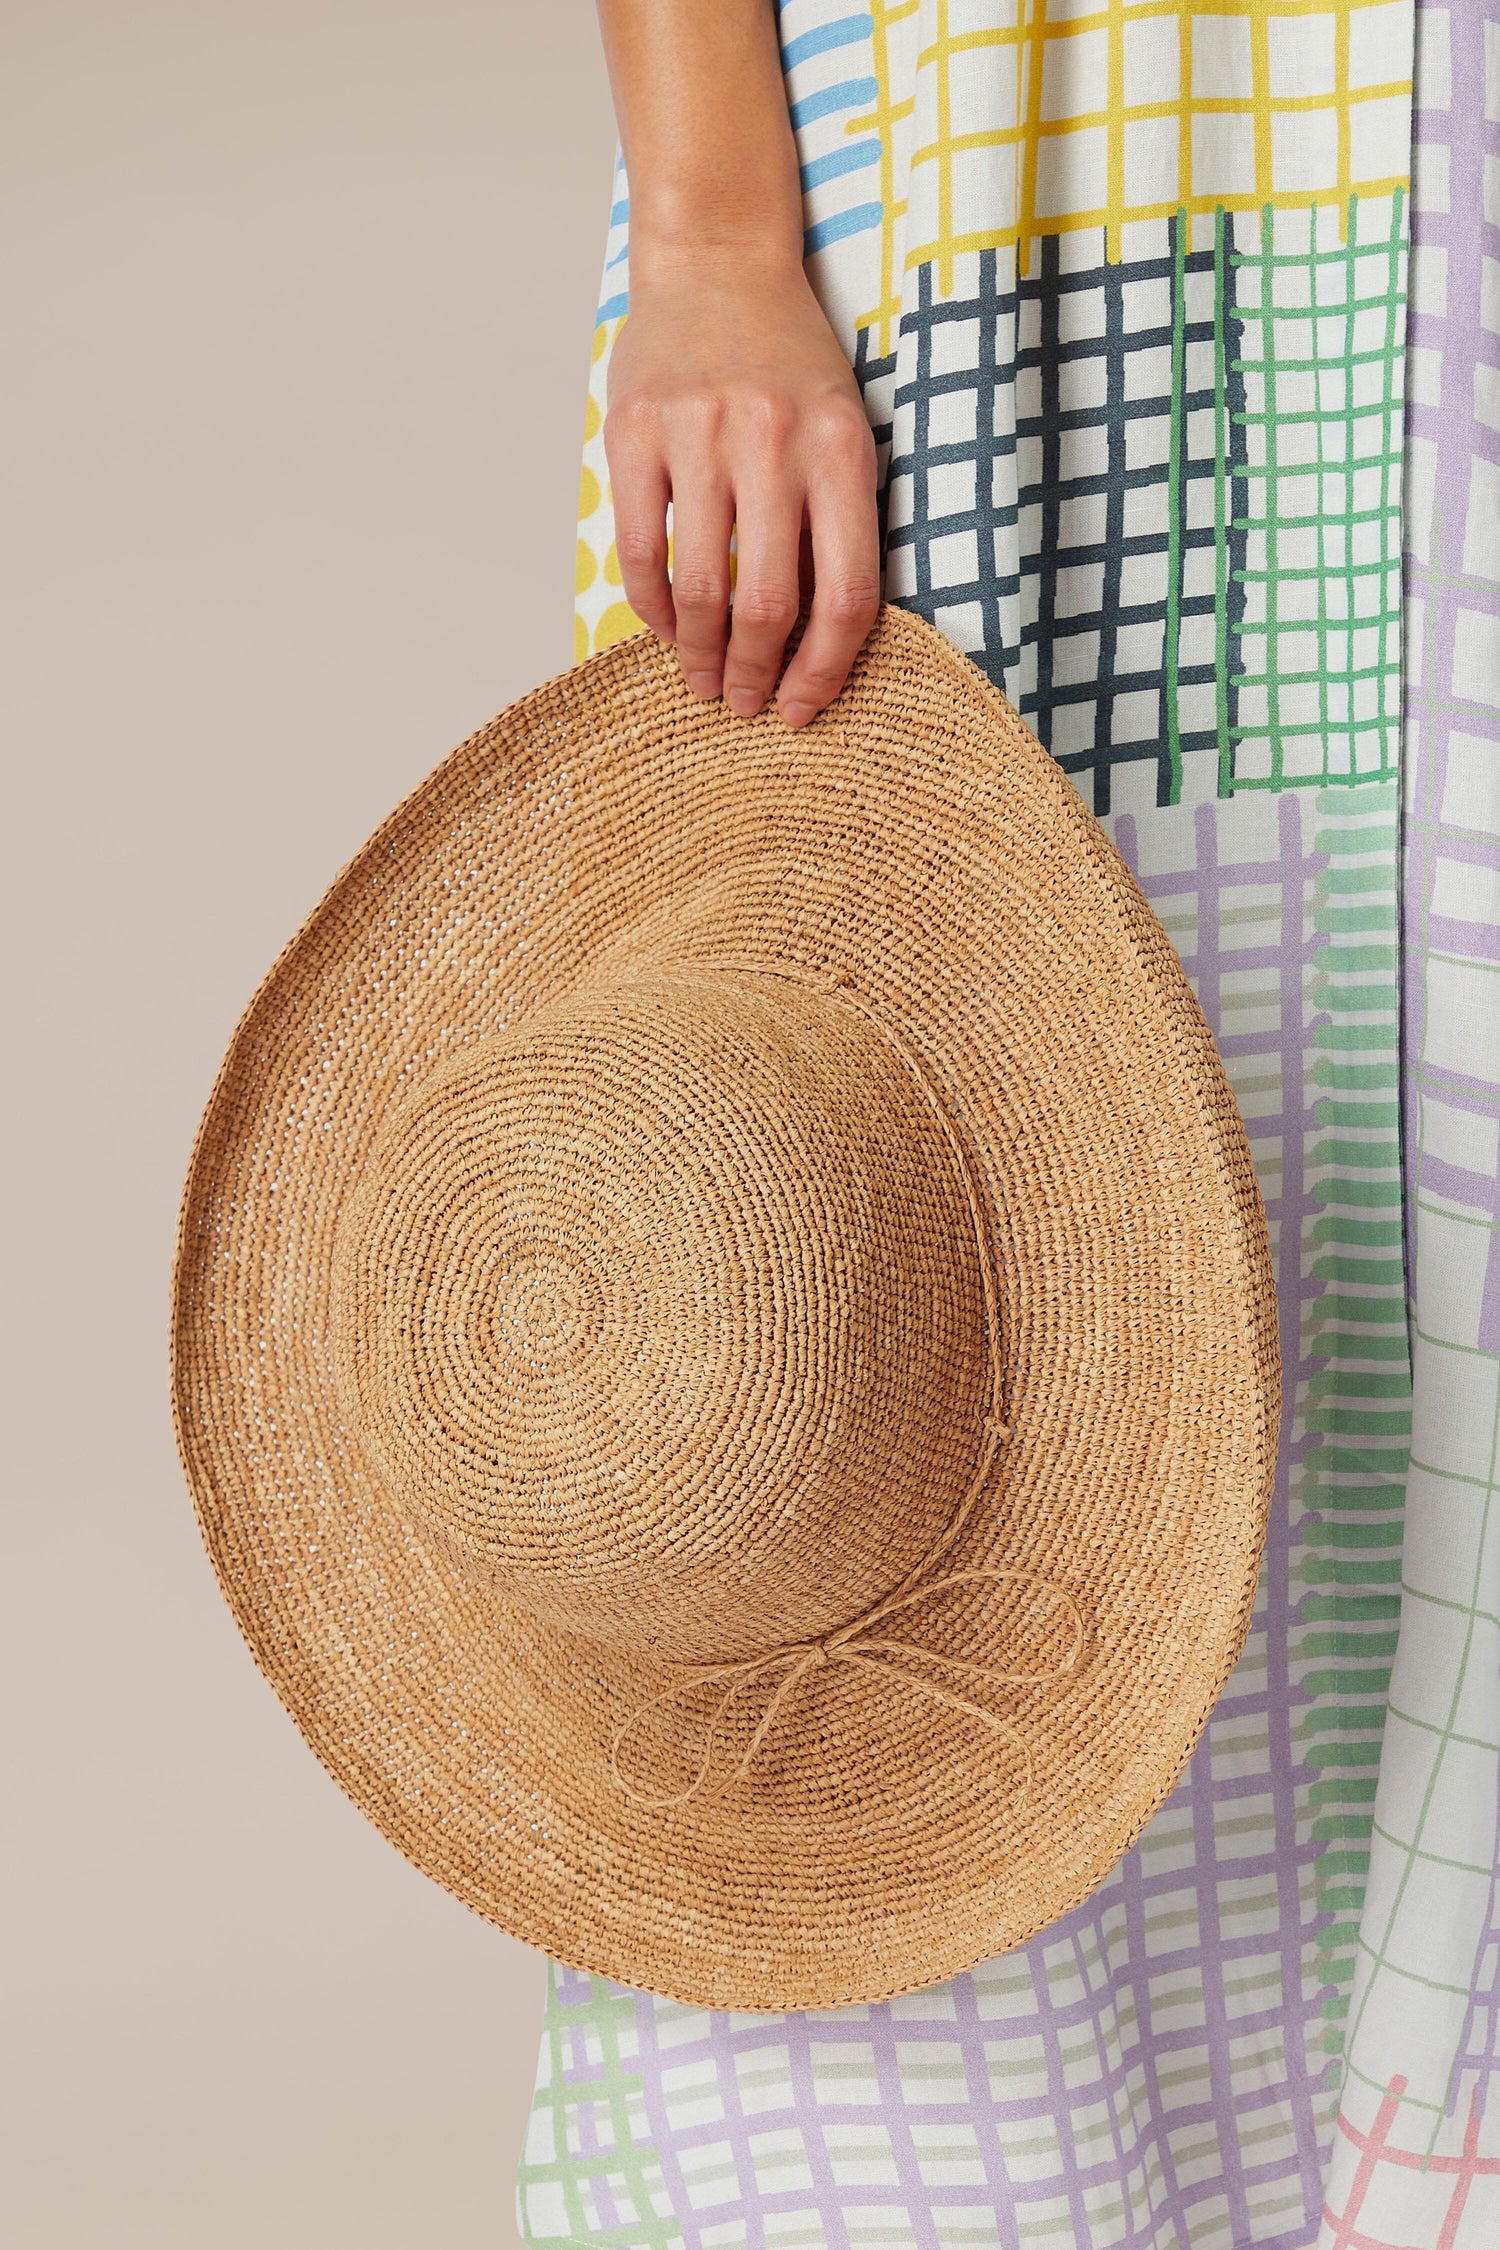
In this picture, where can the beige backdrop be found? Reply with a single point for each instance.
(297, 305)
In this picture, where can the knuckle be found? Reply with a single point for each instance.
(843, 437)
(771, 419)
(851, 603)
(696, 414)
(631, 422)
(639, 546)
(765, 609)
(700, 591)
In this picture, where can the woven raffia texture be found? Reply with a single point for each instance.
(578, 1282)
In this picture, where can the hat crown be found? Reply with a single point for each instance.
(661, 1312)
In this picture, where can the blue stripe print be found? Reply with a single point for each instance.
(840, 160)
(843, 223)
(828, 35)
(851, 93)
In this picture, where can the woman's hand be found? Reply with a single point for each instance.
(730, 396)
(728, 393)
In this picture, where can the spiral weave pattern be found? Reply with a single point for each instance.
(663, 1313)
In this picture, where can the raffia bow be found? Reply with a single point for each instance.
(850, 1644)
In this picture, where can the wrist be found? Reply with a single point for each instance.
(757, 257)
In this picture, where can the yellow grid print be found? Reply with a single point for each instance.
(1034, 117)
(891, 120)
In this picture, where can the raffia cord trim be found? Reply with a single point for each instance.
(847, 1647)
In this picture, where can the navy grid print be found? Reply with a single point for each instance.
(1058, 495)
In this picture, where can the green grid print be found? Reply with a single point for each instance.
(1318, 692)
(1355, 1411)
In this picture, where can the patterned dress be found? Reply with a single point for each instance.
(1169, 448)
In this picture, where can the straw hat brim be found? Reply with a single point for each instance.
(918, 839)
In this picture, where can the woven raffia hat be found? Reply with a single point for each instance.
(724, 1335)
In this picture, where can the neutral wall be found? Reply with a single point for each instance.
(297, 306)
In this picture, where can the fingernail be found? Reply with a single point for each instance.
(703, 683)
(744, 701)
(797, 714)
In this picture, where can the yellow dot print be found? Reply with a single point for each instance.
(618, 620)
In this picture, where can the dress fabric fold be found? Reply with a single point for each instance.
(1179, 331)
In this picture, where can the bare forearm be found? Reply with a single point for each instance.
(730, 399)
(703, 121)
